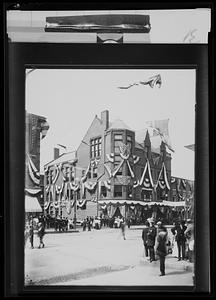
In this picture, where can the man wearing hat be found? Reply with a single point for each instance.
(160, 227)
(189, 233)
(151, 235)
(161, 249)
(179, 232)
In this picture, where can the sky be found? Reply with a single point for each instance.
(70, 99)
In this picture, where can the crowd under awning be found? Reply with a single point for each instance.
(32, 204)
(142, 203)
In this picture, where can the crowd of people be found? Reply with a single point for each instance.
(156, 240)
(158, 243)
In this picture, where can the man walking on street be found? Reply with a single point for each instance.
(161, 249)
(144, 238)
(151, 235)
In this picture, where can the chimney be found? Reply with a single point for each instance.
(105, 119)
(56, 153)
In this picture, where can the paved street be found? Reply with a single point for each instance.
(99, 257)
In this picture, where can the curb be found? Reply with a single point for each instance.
(58, 232)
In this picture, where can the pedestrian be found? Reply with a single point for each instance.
(89, 224)
(161, 249)
(161, 227)
(179, 232)
(122, 227)
(31, 235)
(151, 235)
(129, 222)
(84, 225)
(41, 232)
(144, 238)
(189, 233)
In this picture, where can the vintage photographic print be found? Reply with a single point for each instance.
(109, 176)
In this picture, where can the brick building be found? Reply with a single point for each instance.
(115, 171)
(36, 129)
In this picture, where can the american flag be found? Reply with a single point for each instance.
(152, 82)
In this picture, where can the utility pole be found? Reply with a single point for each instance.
(75, 204)
(97, 194)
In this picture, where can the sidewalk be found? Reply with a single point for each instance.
(171, 262)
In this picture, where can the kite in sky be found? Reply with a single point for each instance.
(152, 82)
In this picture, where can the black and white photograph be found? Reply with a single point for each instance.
(108, 181)
(110, 177)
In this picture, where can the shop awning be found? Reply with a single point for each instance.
(32, 204)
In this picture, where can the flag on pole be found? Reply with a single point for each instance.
(152, 82)
(160, 127)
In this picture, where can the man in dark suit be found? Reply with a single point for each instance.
(179, 232)
(144, 238)
(161, 249)
(151, 235)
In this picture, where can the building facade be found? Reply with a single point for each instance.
(114, 173)
(36, 129)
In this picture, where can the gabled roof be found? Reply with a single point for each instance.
(65, 157)
(156, 140)
(118, 124)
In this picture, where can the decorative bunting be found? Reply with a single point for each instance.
(81, 204)
(108, 170)
(33, 173)
(136, 159)
(146, 179)
(94, 199)
(103, 207)
(107, 184)
(74, 187)
(56, 204)
(136, 184)
(118, 168)
(131, 172)
(183, 183)
(56, 175)
(33, 192)
(110, 157)
(173, 180)
(46, 204)
(162, 179)
(47, 188)
(59, 189)
(90, 185)
(84, 178)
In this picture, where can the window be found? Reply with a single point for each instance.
(129, 138)
(95, 172)
(118, 140)
(103, 191)
(129, 141)
(118, 191)
(95, 147)
(118, 137)
(117, 144)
